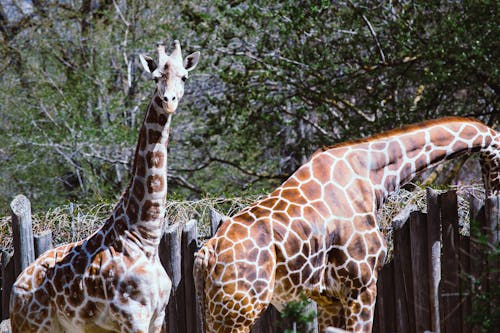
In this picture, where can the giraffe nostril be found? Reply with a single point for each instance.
(173, 98)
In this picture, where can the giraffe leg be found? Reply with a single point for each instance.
(360, 310)
(330, 313)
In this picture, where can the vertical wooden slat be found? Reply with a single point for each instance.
(8, 278)
(215, 220)
(405, 318)
(170, 257)
(492, 229)
(386, 309)
(465, 274)
(420, 271)
(475, 248)
(22, 233)
(267, 322)
(42, 242)
(434, 256)
(312, 327)
(450, 282)
(492, 210)
(377, 314)
(189, 248)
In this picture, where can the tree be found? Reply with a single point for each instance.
(276, 81)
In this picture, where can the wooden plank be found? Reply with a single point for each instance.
(189, 248)
(476, 250)
(42, 242)
(216, 219)
(377, 313)
(8, 279)
(22, 233)
(465, 285)
(492, 230)
(450, 281)
(492, 213)
(385, 319)
(405, 317)
(434, 257)
(267, 322)
(170, 257)
(420, 271)
(312, 327)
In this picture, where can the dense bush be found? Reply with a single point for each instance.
(276, 81)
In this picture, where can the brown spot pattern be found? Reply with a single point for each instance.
(155, 183)
(150, 211)
(154, 136)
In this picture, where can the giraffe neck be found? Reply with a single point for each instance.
(138, 216)
(396, 157)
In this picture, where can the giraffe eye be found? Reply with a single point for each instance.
(184, 78)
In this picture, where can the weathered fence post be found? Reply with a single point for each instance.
(170, 257)
(22, 233)
(405, 317)
(492, 214)
(492, 228)
(8, 278)
(492, 210)
(385, 319)
(450, 282)
(189, 247)
(434, 256)
(215, 220)
(42, 242)
(420, 272)
(312, 327)
(266, 323)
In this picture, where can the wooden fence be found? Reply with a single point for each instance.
(424, 288)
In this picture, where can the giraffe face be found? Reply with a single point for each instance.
(170, 74)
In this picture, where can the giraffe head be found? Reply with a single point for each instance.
(170, 73)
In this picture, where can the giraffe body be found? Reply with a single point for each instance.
(113, 280)
(317, 234)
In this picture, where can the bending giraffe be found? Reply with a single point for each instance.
(317, 234)
(113, 280)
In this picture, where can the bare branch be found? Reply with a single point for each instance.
(374, 35)
(235, 165)
(181, 181)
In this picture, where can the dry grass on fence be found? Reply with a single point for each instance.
(73, 222)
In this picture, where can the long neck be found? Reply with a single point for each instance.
(140, 213)
(396, 157)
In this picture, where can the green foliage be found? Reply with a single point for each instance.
(483, 288)
(297, 312)
(276, 81)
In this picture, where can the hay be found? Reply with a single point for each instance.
(74, 222)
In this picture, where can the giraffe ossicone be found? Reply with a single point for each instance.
(318, 233)
(113, 280)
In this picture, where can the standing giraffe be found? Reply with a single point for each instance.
(317, 234)
(113, 280)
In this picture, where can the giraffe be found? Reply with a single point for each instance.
(113, 280)
(317, 234)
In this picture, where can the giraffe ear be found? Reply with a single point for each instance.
(148, 63)
(191, 61)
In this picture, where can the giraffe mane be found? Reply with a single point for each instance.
(395, 132)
